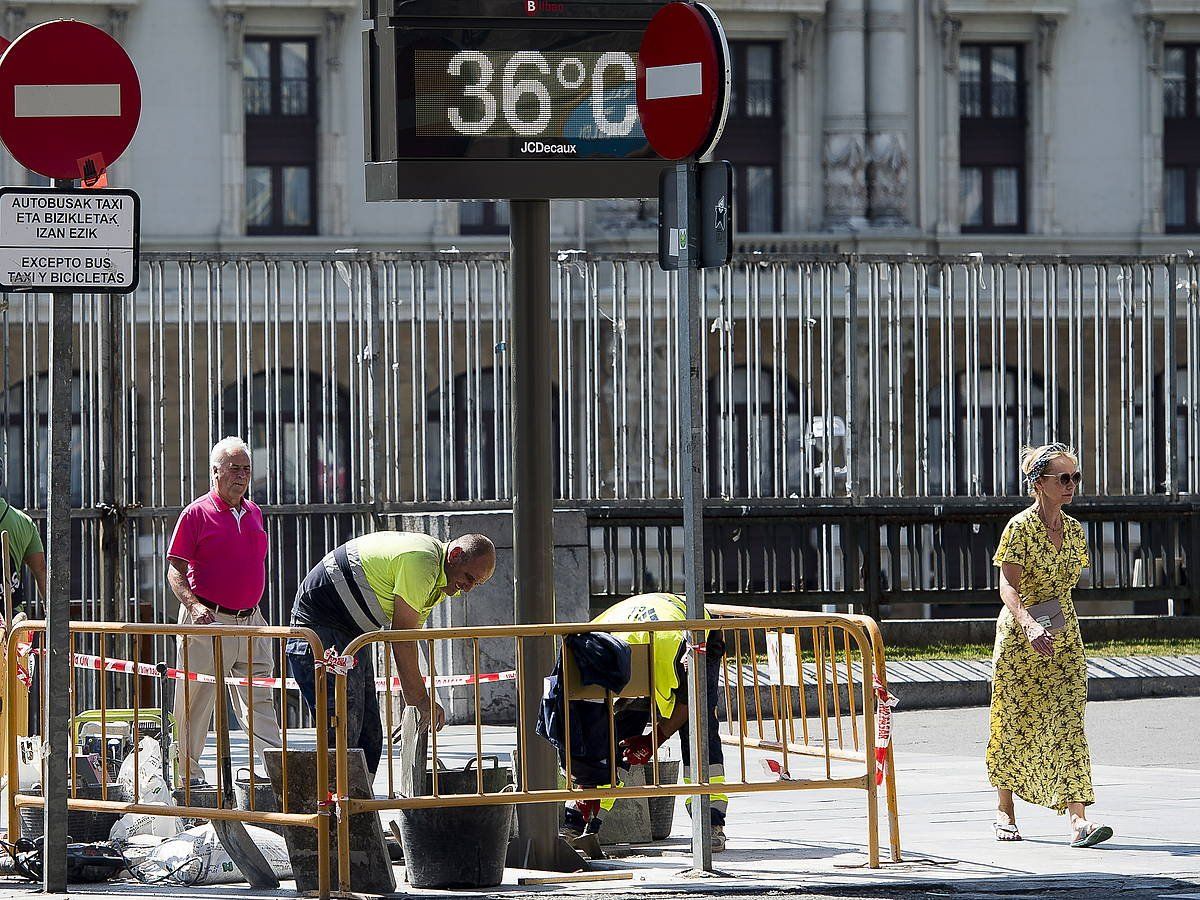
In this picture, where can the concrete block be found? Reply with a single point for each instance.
(370, 867)
(493, 604)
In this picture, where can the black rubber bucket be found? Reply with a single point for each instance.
(458, 846)
(83, 825)
(662, 809)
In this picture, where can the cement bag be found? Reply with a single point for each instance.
(138, 849)
(195, 856)
(151, 787)
(135, 825)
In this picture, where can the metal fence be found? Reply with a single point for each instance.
(370, 384)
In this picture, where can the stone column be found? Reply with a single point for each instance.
(332, 217)
(1153, 214)
(949, 30)
(797, 152)
(233, 140)
(1041, 161)
(889, 66)
(845, 116)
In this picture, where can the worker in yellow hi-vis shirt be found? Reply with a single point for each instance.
(632, 715)
(387, 579)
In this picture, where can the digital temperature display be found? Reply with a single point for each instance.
(582, 103)
(490, 100)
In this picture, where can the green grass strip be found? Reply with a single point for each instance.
(1148, 647)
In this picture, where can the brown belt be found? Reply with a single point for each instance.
(236, 613)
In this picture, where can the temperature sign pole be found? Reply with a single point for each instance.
(524, 102)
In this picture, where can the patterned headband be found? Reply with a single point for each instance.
(1043, 459)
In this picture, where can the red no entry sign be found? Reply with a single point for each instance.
(68, 92)
(683, 80)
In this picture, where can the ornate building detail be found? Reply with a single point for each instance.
(1154, 30)
(802, 38)
(845, 177)
(334, 23)
(888, 171)
(117, 17)
(1047, 31)
(235, 26)
(14, 20)
(949, 33)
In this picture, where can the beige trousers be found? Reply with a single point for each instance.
(195, 701)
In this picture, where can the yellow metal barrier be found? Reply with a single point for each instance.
(15, 701)
(857, 766)
(831, 672)
(26, 641)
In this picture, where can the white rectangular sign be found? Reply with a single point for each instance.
(83, 241)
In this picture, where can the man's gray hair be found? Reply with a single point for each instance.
(475, 545)
(226, 446)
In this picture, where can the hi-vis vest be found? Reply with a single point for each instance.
(667, 644)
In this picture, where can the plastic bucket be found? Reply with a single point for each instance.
(459, 846)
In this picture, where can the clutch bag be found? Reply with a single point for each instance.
(1049, 615)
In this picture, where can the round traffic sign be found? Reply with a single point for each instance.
(68, 93)
(683, 80)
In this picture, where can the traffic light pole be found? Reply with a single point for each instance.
(691, 431)
(57, 674)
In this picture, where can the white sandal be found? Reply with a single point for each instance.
(1000, 829)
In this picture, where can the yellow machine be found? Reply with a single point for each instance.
(20, 694)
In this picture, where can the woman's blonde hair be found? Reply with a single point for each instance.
(1034, 461)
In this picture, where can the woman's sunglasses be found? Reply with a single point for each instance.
(1066, 478)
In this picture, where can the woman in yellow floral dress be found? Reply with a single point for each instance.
(1038, 749)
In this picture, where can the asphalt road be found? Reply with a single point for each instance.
(1120, 732)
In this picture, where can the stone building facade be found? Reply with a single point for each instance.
(923, 125)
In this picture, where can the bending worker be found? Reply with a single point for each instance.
(632, 715)
(389, 579)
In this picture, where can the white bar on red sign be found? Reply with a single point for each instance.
(40, 101)
(665, 82)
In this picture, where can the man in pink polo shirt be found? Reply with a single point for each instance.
(217, 569)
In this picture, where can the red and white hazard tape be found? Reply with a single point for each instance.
(883, 728)
(109, 664)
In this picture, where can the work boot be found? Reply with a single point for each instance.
(718, 838)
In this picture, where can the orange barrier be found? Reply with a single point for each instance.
(25, 643)
(852, 766)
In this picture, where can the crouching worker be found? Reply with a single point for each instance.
(600, 661)
(389, 579)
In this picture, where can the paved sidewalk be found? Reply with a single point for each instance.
(806, 843)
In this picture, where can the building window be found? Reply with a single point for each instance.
(1006, 421)
(294, 425)
(1181, 137)
(25, 441)
(754, 441)
(281, 136)
(483, 217)
(753, 138)
(992, 139)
